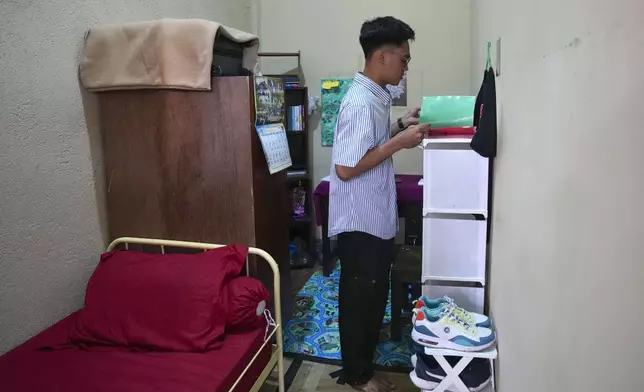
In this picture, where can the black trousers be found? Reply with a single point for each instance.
(364, 287)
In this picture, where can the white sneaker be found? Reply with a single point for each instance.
(437, 304)
(445, 329)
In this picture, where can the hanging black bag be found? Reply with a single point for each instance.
(484, 140)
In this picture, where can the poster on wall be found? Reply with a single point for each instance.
(269, 123)
(269, 100)
(333, 90)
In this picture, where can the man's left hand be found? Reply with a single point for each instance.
(411, 117)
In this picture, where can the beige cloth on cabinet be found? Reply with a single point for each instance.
(160, 54)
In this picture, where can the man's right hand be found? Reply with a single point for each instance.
(412, 136)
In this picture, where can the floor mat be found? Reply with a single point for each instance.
(313, 330)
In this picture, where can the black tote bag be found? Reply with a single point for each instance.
(484, 140)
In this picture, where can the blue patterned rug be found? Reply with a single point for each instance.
(313, 330)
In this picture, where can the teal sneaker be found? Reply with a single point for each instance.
(437, 304)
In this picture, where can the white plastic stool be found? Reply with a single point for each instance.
(452, 374)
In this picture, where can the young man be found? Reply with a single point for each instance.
(362, 202)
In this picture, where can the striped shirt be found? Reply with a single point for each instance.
(365, 203)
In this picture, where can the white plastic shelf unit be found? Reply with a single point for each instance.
(455, 199)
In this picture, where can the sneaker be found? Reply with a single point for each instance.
(427, 374)
(476, 319)
(445, 329)
(419, 376)
(418, 350)
(422, 381)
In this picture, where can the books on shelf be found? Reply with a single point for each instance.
(295, 118)
(290, 81)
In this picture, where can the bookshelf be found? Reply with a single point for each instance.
(301, 228)
(296, 98)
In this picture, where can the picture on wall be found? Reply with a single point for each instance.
(269, 100)
(333, 90)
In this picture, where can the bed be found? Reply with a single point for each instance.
(242, 362)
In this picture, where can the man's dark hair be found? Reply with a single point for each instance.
(387, 30)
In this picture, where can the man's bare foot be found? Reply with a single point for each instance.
(382, 379)
(371, 386)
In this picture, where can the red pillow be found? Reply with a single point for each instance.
(171, 302)
(246, 300)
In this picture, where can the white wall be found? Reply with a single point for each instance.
(567, 278)
(326, 32)
(51, 220)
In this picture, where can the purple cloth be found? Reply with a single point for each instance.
(407, 190)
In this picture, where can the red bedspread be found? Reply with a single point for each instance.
(27, 369)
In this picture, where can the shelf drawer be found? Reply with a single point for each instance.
(454, 180)
(454, 248)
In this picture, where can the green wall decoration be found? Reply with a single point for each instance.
(333, 90)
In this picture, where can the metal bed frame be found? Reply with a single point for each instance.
(278, 349)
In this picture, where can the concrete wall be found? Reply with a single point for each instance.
(52, 225)
(567, 277)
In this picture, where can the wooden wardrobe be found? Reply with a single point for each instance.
(189, 165)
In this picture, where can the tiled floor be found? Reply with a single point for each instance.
(315, 377)
(299, 277)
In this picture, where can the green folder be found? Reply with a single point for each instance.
(448, 111)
